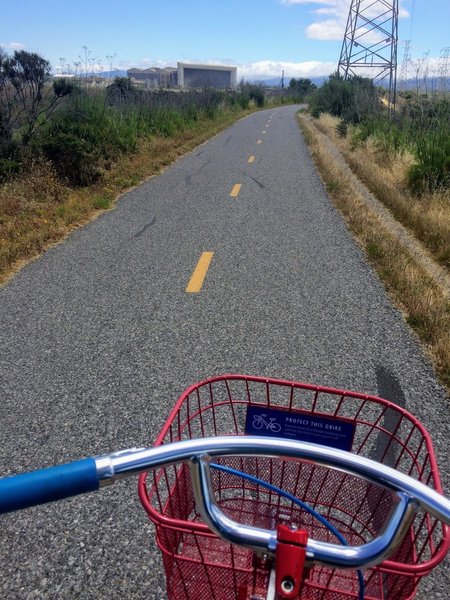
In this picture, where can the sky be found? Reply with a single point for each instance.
(261, 37)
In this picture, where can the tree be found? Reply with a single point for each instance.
(6, 99)
(23, 79)
(301, 86)
(28, 73)
(121, 90)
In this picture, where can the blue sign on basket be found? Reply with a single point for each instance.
(295, 425)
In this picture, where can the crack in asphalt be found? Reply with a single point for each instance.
(188, 178)
(261, 185)
(141, 231)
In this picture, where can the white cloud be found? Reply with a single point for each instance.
(333, 27)
(335, 6)
(13, 46)
(289, 2)
(271, 69)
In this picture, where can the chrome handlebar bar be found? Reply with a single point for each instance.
(411, 494)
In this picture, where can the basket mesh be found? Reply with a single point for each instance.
(201, 566)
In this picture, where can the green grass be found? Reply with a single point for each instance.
(101, 203)
(334, 186)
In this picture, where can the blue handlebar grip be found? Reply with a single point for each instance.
(47, 485)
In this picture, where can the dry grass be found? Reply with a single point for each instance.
(423, 302)
(37, 210)
(384, 172)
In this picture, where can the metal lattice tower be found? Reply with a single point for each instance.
(405, 63)
(369, 48)
(443, 69)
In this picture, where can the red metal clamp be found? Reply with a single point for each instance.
(289, 561)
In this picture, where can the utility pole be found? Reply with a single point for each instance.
(369, 48)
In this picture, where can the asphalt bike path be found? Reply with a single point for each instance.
(232, 260)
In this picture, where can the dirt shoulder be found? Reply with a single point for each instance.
(416, 282)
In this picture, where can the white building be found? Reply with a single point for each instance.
(194, 76)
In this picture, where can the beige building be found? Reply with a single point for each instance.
(154, 77)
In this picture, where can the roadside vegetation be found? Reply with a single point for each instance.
(403, 157)
(67, 150)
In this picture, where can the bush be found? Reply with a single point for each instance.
(257, 94)
(250, 91)
(10, 159)
(432, 170)
(244, 100)
(342, 128)
(121, 91)
(316, 111)
(74, 158)
(86, 137)
(8, 168)
(420, 125)
(353, 100)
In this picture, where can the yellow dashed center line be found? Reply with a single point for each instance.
(236, 189)
(251, 159)
(198, 276)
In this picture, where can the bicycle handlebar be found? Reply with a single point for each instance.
(63, 481)
(47, 485)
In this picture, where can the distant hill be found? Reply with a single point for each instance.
(430, 84)
(112, 74)
(276, 82)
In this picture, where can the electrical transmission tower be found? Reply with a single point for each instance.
(369, 48)
(405, 64)
(443, 70)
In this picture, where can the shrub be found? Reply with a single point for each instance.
(121, 91)
(342, 128)
(352, 100)
(256, 93)
(101, 203)
(316, 111)
(74, 158)
(244, 100)
(432, 170)
(83, 140)
(8, 168)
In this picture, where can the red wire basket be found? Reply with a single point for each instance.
(198, 565)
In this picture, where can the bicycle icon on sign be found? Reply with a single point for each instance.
(259, 422)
